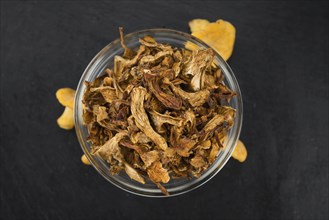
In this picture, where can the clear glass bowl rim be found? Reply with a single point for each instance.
(213, 169)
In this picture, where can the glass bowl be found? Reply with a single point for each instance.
(103, 60)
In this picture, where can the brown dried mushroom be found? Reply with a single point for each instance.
(159, 114)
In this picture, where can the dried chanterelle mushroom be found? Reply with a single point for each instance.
(220, 35)
(159, 113)
(240, 152)
(65, 96)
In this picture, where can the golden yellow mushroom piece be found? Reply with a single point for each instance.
(240, 152)
(85, 160)
(198, 24)
(66, 121)
(219, 35)
(65, 96)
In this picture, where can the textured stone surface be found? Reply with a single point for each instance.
(280, 61)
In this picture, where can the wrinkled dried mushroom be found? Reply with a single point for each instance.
(159, 113)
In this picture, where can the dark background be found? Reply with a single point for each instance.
(281, 63)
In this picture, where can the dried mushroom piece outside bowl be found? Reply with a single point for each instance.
(166, 140)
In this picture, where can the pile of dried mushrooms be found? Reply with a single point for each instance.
(160, 113)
